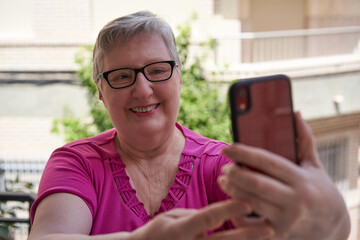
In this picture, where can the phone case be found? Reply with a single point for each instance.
(262, 114)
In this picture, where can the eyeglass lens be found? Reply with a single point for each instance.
(153, 72)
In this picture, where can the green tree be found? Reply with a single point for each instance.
(200, 109)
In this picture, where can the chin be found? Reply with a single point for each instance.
(147, 128)
(154, 127)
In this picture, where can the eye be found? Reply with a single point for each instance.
(157, 71)
(121, 75)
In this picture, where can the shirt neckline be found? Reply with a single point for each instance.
(128, 193)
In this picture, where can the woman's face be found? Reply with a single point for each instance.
(145, 108)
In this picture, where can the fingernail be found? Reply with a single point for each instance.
(221, 180)
(269, 231)
(225, 168)
(225, 150)
(228, 149)
(248, 208)
(266, 232)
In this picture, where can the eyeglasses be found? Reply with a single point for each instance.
(125, 77)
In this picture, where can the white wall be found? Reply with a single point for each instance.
(174, 12)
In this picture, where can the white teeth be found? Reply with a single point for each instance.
(145, 109)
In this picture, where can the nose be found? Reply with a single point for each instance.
(142, 88)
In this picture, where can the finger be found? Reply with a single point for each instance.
(211, 215)
(307, 153)
(254, 232)
(266, 209)
(264, 161)
(257, 184)
(180, 212)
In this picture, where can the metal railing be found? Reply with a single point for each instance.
(22, 170)
(17, 227)
(17, 175)
(252, 47)
(18, 197)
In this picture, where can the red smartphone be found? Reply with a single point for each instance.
(262, 114)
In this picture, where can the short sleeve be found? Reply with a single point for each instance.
(211, 165)
(219, 195)
(67, 171)
(212, 168)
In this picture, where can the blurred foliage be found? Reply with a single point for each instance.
(16, 185)
(73, 127)
(200, 109)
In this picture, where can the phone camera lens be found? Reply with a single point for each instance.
(242, 93)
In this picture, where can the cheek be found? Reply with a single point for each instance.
(112, 100)
(177, 85)
(174, 96)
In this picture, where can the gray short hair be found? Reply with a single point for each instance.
(119, 31)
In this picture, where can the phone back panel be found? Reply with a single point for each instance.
(262, 114)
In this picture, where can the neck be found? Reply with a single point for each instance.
(150, 148)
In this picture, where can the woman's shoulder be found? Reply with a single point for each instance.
(199, 145)
(99, 139)
(101, 144)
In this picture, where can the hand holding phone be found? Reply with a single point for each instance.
(262, 114)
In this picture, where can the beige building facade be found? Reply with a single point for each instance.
(316, 43)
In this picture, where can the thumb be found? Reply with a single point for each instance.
(212, 216)
(306, 147)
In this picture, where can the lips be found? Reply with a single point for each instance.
(144, 109)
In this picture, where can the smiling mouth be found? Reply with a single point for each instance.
(144, 109)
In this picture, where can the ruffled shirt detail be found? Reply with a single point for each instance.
(128, 193)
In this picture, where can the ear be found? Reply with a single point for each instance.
(100, 95)
(97, 83)
(101, 98)
(178, 68)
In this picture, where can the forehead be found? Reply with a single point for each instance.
(139, 50)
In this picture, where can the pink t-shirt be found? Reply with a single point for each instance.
(92, 169)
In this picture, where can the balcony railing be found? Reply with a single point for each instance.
(24, 171)
(17, 175)
(13, 226)
(254, 47)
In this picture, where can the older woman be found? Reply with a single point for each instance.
(151, 178)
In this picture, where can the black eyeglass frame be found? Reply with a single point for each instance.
(137, 70)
